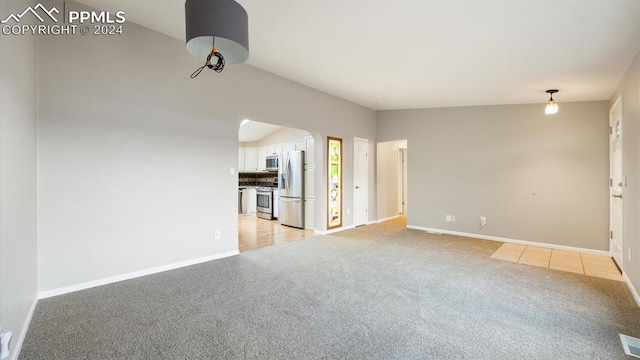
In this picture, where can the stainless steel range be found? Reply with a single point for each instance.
(264, 208)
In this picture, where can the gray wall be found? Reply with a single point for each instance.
(134, 156)
(18, 202)
(488, 160)
(630, 90)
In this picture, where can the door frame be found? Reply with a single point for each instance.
(616, 109)
(402, 180)
(356, 205)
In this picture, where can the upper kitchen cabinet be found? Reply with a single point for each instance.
(288, 147)
(285, 151)
(274, 149)
(250, 159)
(262, 158)
(260, 140)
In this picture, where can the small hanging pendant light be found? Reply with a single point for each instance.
(216, 29)
(552, 106)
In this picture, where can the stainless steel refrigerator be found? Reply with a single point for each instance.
(291, 190)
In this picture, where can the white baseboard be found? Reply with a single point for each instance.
(17, 345)
(633, 290)
(327, 232)
(513, 241)
(112, 279)
(387, 219)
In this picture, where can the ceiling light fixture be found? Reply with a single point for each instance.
(216, 29)
(244, 122)
(552, 106)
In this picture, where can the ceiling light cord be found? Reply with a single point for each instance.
(218, 67)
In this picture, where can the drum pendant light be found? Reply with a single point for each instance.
(216, 28)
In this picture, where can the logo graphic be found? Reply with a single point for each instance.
(34, 11)
(72, 22)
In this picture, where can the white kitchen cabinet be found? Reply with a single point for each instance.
(250, 159)
(252, 201)
(240, 159)
(288, 147)
(262, 158)
(274, 149)
(285, 151)
(310, 151)
(275, 203)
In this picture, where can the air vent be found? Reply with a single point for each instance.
(630, 345)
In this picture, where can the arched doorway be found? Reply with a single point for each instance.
(263, 150)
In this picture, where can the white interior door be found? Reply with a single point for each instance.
(616, 183)
(360, 182)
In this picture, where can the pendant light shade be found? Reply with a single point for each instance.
(222, 24)
(552, 106)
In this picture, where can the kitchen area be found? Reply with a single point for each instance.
(275, 197)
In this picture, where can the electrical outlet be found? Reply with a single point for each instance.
(448, 218)
(453, 218)
(483, 221)
(216, 235)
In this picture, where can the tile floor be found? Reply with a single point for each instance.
(575, 262)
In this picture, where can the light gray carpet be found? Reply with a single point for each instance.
(377, 292)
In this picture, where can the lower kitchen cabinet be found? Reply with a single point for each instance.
(252, 201)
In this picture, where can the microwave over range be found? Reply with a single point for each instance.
(272, 163)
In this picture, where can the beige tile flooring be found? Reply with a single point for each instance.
(575, 262)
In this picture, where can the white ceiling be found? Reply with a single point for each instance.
(255, 131)
(398, 54)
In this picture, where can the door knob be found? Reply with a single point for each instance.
(357, 187)
(617, 196)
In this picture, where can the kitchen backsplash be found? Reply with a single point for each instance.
(258, 179)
